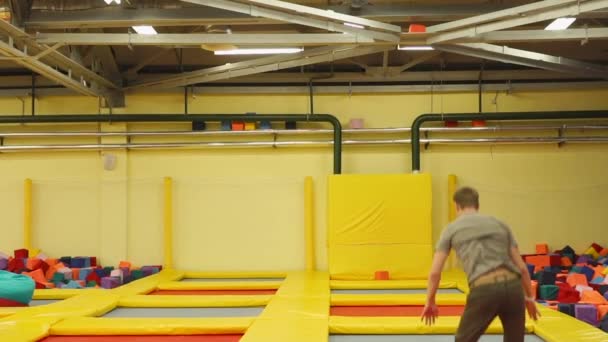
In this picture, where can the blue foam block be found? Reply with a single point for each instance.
(588, 272)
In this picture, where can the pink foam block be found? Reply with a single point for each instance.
(117, 274)
(110, 282)
(582, 288)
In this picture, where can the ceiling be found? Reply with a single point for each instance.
(90, 47)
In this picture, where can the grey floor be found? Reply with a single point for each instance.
(422, 338)
(38, 302)
(184, 312)
(231, 279)
(394, 291)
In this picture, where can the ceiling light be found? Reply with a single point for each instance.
(355, 25)
(108, 2)
(560, 24)
(258, 51)
(144, 29)
(415, 48)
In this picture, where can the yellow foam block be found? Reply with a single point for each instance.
(235, 274)
(303, 308)
(379, 222)
(192, 301)
(25, 330)
(402, 325)
(305, 284)
(151, 326)
(556, 326)
(605, 271)
(148, 284)
(386, 284)
(292, 330)
(63, 293)
(395, 299)
(220, 285)
(591, 251)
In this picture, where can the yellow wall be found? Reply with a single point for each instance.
(243, 209)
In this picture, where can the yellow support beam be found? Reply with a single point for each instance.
(27, 214)
(168, 224)
(309, 224)
(452, 186)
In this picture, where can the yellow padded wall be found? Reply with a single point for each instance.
(379, 223)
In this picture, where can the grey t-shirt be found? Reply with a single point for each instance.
(481, 242)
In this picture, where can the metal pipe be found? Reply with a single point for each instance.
(309, 143)
(337, 127)
(507, 116)
(301, 131)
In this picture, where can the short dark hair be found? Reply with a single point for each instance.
(467, 197)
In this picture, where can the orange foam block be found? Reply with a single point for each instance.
(124, 264)
(577, 279)
(566, 261)
(543, 260)
(238, 126)
(381, 275)
(593, 297)
(604, 252)
(37, 275)
(542, 248)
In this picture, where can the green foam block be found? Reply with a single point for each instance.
(137, 274)
(548, 292)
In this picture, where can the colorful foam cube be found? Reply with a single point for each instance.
(582, 288)
(149, 270)
(602, 260)
(91, 284)
(124, 264)
(238, 126)
(66, 260)
(3, 263)
(110, 282)
(530, 270)
(137, 274)
(84, 273)
(593, 253)
(568, 309)
(543, 260)
(36, 275)
(602, 310)
(606, 295)
(57, 278)
(567, 294)
(586, 313)
(100, 272)
(603, 289)
(117, 274)
(546, 278)
(604, 252)
(575, 279)
(94, 277)
(548, 292)
(597, 280)
(593, 297)
(588, 272)
(566, 261)
(72, 285)
(77, 262)
(584, 259)
(67, 273)
(33, 264)
(21, 253)
(93, 261)
(596, 247)
(16, 265)
(542, 248)
(87, 262)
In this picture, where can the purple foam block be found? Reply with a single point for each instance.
(586, 313)
(110, 282)
(3, 263)
(606, 294)
(125, 271)
(149, 270)
(584, 259)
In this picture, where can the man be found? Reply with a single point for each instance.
(497, 275)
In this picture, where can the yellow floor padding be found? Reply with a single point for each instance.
(148, 284)
(178, 301)
(220, 285)
(64, 293)
(4, 312)
(287, 329)
(402, 325)
(395, 299)
(79, 306)
(151, 326)
(26, 330)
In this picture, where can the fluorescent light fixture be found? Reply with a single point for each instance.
(355, 25)
(560, 24)
(144, 29)
(415, 48)
(258, 51)
(111, 1)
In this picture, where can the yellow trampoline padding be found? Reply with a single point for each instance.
(25, 330)
(170, 301)
(303, 308)
(386, 284)
(7, 311)
(63, 293)
(402, 325)
(87, 305)
(305, 284)
(292, 330)
(230, 275)
(555, 326)
(151, 326)
(379, 222)
(395, 299)
(148, 284)
(220, 285)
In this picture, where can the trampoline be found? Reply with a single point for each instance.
(393, 310)
(38, 302)
(212, 292)
(210, 280)
(422, 338)
(122, 312)
(393, 291)
(142, 338)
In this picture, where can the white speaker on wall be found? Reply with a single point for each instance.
(109, 161)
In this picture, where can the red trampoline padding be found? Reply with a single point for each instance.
(397, 310)
(213, 292)
(151, 338)
(10, 303)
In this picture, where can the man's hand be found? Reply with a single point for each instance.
(532, 310)
(429, 314)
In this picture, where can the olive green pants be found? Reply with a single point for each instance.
(502, 299)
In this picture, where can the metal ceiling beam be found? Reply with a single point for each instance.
(325, 14)
(539, 35)
(532, 17)
(20, 10)
(37, 66)
(261, 65)
(509, 55)
(197, 39)
(323, 23)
